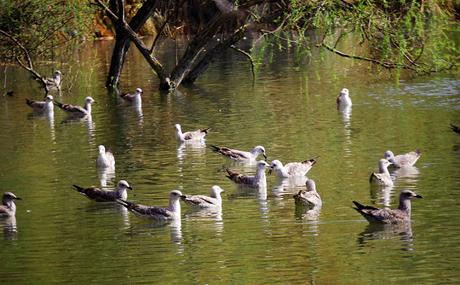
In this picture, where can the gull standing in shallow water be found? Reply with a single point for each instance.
(383, 176)
(344, 98)
(309, 197)
(259, 180)
(386, 215)
(46, 106)
(134, 99)
(214, 201)
(401, 160)
(77, 111)
(8, 207)
(159, 214)
(191, 136)
(100, 195)
(105, 158)
(240, 156)
(291, 169)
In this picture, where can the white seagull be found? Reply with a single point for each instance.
(101, 195)
(77, 111)
(386, 215)
(401, 160)
(54, 82)
(41, 106)
(309, 197)
(213, 201)
(159, 214)
(105, 158)
(343, 99)
(239, 155)
(383, 176)
(134, 99)
(8, 207)
(259, 180)
(291, 169)
(191, 136)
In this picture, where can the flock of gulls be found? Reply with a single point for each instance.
(308, 197)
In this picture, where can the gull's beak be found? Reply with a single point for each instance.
(418, 196)
(270, 170)
(18, 198)
(265, 156)
(183, 196)
(130, 188)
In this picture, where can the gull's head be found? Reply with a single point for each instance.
(123, 184)
(89, 100)
(311, 185)
(178, 127)
(101, 149)
(408, 194)
(262, 164)
(259, 150)
(216, 190)
(138, 91)
(389, 155)
(276, 164)
(9, 196)
(384, 163)
(49, 98)
(57, 73)
(175, 195)
(344, 92)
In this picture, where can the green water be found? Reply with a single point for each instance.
(60, 237)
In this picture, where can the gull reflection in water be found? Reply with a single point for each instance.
(49, 116)
(106, 175)
(206, 216)
(289, 185)
(10, 229)
(307, 213)
(376, 231)
(381, 195)
(193, 148)
(90, 125)
(407, 172)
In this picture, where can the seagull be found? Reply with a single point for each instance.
(259, 180)
(105, 158)
(197, 135)
(41, 106)
(160, 214)
(291, 169)
(386, 215)
(77, 111)
(134, 99)
(343, 99)
(101, 195)
(401, 160)
(455, 128)
(309, 198)
(54, 82)
(214, 200)
(8, 207)
(383, 176)
(238, 155)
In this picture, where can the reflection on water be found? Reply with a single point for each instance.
(10, 229)
(401, 232)
(106, 176)
(381, 195)
(288, 185)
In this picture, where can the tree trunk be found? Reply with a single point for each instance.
(122, 39)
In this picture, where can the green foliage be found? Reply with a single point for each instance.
(42, 25)
(408, 34)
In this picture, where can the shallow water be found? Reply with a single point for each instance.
(259, 238)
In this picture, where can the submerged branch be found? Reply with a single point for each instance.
(375, 61)
(246, 54)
